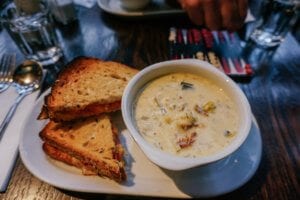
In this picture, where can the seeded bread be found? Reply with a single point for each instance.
(87, 87)
(91, 144)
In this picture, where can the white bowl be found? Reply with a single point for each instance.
(204, 69)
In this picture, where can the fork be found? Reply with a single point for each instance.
(7, 64)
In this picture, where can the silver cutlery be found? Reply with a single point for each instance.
(7, 64)
(26, 79)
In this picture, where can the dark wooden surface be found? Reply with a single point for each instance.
(274, 95)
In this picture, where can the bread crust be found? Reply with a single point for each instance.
(86, 87)
(72, 114)
(59, 155)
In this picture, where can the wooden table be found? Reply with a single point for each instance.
(274, 95)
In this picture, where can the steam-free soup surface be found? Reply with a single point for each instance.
(186, 115)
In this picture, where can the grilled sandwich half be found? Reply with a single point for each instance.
(86, 87)
(91, 144)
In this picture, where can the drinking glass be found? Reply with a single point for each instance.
(277, 18)
(34, 33)
(63, 10)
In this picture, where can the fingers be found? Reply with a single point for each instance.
(212, 15)
(216, 14)
(231, 19)
(243, 8)
(194, 10)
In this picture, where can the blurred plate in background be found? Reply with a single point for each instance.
(155, 8)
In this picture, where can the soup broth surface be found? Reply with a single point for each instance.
(186, 115)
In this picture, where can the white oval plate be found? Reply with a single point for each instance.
(156, 8)
(144, 178)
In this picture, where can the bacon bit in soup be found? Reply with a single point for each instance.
(186, 85)
(199, 110)
(188, 121)
(186, 126)
(207, 108)
(228, 133)
(187, 141)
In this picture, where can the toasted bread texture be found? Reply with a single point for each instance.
(86, 87)
(59, 155)
(91, 144)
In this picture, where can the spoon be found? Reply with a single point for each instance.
(26, 79)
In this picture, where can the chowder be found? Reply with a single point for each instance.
(186, 115)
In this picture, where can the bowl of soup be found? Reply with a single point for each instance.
(185, 113)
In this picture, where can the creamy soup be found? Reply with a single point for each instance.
(186, 115)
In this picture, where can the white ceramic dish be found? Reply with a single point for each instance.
(225, 175)
(194, 66)
(156, 8)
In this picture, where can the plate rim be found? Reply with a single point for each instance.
(104, 6)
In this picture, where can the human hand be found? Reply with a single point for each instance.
(216, 14)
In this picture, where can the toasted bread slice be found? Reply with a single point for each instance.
(91, 144)
(59, 155)
(87, 87)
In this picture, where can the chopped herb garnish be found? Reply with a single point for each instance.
(186, 85)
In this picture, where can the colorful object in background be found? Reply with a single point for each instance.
(220, 48)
